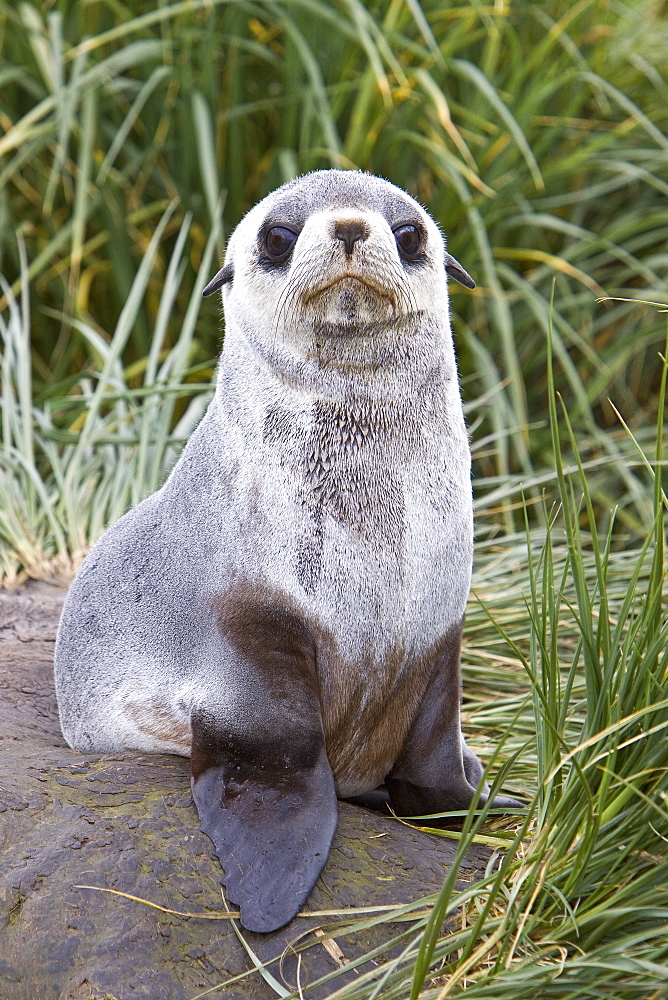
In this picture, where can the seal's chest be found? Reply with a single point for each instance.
(343, 474)
(344, 460)
(362, 514)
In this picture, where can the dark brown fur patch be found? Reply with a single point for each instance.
(278, 696)
(366, 709)
(267, 629)
(372, 740)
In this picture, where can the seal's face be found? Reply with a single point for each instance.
(338, 253)
(344, 270)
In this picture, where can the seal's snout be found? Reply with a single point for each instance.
(350, 232)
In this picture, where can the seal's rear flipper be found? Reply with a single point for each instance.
(271, 820)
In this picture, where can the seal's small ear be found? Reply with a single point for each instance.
(456, 271)
(224, 275)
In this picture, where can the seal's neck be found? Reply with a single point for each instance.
(335, 362)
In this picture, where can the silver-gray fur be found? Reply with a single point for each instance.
(328, 482)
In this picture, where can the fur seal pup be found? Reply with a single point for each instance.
(287, 610)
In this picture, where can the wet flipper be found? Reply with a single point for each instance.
(260, 776)
(272, 828)
(436, 771)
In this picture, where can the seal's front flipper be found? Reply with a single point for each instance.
(436, 771)
(270, 810)
(260, 776)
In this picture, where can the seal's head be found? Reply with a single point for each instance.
(337, 252)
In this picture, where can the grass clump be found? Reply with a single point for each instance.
(536, 134)
(73, 465)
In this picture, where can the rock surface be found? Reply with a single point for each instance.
(127, 822)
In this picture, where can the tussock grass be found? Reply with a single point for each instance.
(535, 133)
(74, 465)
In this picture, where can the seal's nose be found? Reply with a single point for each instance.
(350, 231)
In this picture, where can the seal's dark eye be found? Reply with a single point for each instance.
(408, 240)
(279, 241)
